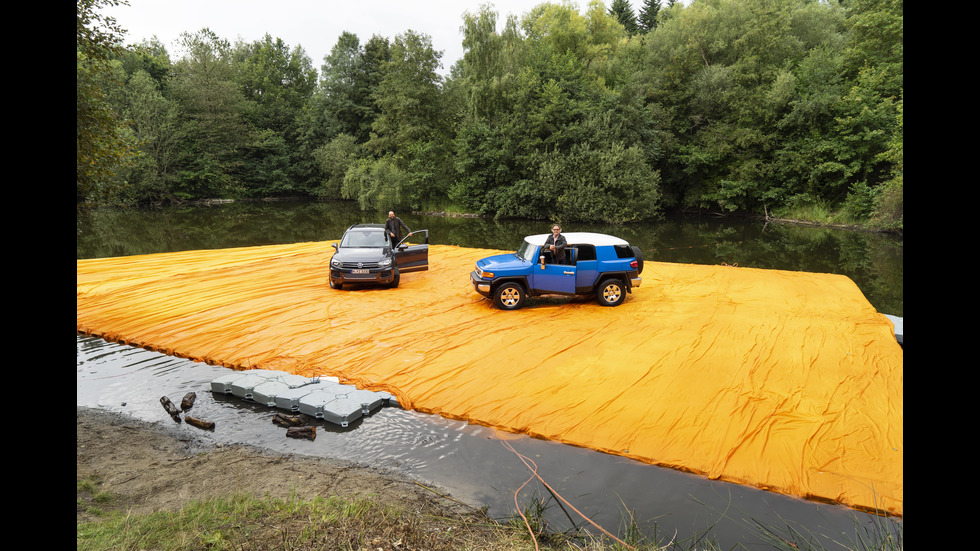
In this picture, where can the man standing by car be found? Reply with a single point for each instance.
(556, 244)
(393, 226)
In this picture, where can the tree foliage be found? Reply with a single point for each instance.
(102, 142)
(598, 114)
(623, 12)
(646, 18)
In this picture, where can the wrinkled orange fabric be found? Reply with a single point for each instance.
(787, 381)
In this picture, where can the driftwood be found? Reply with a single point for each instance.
(284, 420)
(301, 432)
(199, 423)
(171, 408)
(188, 401)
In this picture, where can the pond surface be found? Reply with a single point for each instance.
(470, 461)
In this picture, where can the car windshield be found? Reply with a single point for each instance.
(526, 251)
(364, 238)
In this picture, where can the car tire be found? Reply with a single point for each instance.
(395, 280)
(611, 292)
(509, 296)
(334, 285)
(639, 259)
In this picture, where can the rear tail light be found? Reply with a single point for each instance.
(634, 264)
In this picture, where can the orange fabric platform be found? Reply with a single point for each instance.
(788, 381)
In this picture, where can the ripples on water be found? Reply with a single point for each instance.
(471, 461)
(468, 460)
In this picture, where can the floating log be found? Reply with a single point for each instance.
(199, 423)
(188, 401)
(287, 420)
(171, 408)
(302, 432)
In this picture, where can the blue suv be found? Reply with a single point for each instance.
(595, 263)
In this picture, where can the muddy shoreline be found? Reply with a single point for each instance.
(150, 467)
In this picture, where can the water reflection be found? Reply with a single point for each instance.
(873, 261)
(468, 460)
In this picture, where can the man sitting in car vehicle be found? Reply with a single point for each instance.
(556, 243)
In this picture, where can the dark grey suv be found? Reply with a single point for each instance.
(366, 255)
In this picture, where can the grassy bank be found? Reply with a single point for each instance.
(244, 522)
(820, 214)
(241, 522)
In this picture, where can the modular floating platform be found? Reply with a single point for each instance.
(783, 380)
(319, 397)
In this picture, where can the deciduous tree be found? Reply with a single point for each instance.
(101, 142)
(277, 82)
(213, 118)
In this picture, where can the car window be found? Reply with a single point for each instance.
(526, 250)
(585, 252)
(364, 238)
(623, 251)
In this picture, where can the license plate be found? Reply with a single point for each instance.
(361, 271)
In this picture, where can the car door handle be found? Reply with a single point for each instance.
(569, 273)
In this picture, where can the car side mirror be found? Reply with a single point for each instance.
(541, 260)
(335, 247)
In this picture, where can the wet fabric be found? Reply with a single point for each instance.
(787, 381)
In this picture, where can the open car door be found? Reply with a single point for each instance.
(549, 277)
(412, 258)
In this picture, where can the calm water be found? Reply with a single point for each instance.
(471, 461)
(874, 261)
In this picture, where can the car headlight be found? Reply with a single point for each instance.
(385, 262)
(335, 263)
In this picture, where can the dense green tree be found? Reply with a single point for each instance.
(335, 159)
(156, 124)
(604, 181)
(490, 60)
(408, 96)
(724, 69)
(646, 19)
(376, 183)
(151, 57)
(559, 114)
(374, 63)
(276, 82)
(412, 132)
(889, 198)
(341, 85)
(841, 138)
(213, 122)
(276, 79)
(349, 78)
(553, 118)
(876, 40)
(623, 12)
(102, 142)
(873, 107)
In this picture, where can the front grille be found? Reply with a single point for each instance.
(356, 265)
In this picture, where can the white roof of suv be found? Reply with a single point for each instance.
(579, 238)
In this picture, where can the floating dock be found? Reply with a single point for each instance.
(783, 380)
(319, 397)
(899, 323)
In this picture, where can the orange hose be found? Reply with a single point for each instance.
(534, 474)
